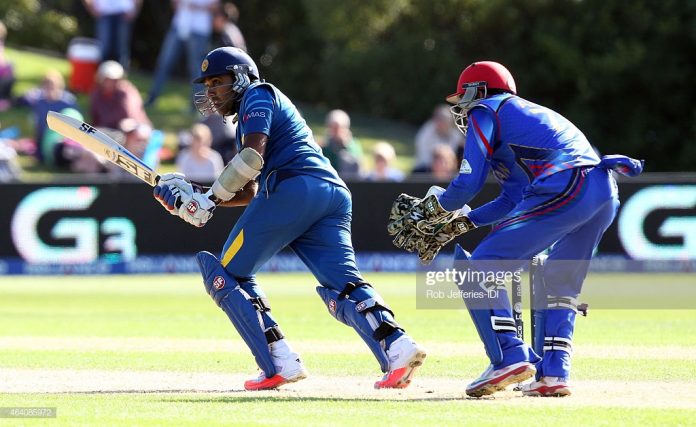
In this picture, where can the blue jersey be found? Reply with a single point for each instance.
(291, 147)
(520, 142)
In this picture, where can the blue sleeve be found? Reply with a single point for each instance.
(492, 211)
(475, 166)
(256, 112)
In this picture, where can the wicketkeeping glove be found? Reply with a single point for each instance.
(430, 246)
(423, 218)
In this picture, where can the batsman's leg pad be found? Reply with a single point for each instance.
(365, 312)
(493, 321)
(245, 308)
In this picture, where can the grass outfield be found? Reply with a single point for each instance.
(155, 350)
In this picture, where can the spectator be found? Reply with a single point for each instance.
(224, 135)
(443, 165)
(7, 78)
(343, 151)
(135, 137)
(384, 157)
(190, 32)
(225, 28)
(50, 96)
(199, 162)
(439, 129)
(114, 98)
(10, 169)
(67, 154)
(114, 24)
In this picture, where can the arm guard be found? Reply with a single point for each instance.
(243, 167)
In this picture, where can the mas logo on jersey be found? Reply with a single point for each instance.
(332, 306)
(252, 115)
(219, 282)
(204, 65)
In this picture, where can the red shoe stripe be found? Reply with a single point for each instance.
(511, 373)
(549, 389)
(265, 384)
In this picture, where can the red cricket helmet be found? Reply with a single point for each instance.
(486, 74)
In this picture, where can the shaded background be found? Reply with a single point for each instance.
(623, 71)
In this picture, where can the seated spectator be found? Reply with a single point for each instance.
(7, 78)
(199, 162)
(224, 135)
(443, 166)
(343, 151)
(137, 139)
(66, 154)
(50, 96)
(114, 98)
(10, 169)
(225, 29)
(384, 157)
(439, 129)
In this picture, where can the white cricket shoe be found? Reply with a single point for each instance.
(289, 369)
(405, 356)
(547, 387)
(493, 380)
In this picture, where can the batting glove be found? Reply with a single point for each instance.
(197, 209)
(170, 189)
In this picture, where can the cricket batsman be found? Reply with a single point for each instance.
(294, 198)
(555, 193)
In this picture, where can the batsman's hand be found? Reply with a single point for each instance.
(197, 209)
(170, 190)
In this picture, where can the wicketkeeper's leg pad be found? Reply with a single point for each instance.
(365, 312)
(492, 317)
(246, 308)
(558, 327)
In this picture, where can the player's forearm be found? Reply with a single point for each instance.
(472, 175)
(243, 197)
(492, 211)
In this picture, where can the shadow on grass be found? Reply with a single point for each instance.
(244, 396)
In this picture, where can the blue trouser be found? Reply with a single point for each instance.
(312, 217)
(569, 212)
(195, 47)
(113, 32)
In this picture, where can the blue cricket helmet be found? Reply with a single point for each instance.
(221, 60)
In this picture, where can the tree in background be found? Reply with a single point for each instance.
(622, 70)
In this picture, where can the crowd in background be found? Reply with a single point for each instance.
(117, 107)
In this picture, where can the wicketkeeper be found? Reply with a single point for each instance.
(555, 192)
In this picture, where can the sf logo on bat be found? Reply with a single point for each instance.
(87, 128)
(128, 164)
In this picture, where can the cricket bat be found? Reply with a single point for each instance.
(102, 145)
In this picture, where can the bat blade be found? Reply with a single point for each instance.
(102, 145)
